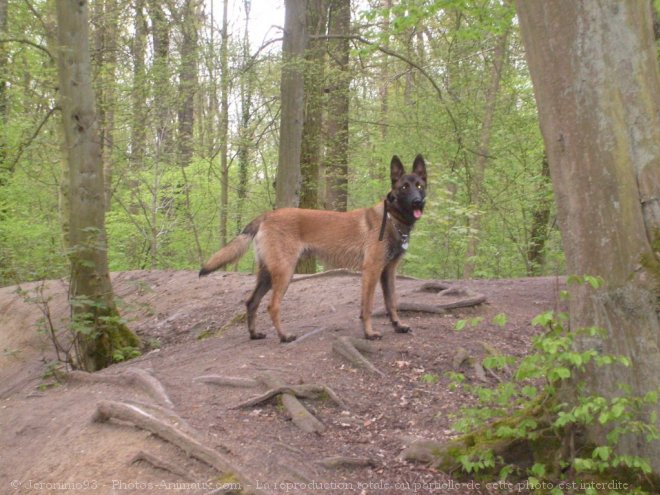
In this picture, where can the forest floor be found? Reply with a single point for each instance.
(50, 444)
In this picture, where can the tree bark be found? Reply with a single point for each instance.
(336, 154)
(287, 187)
(312, 121)
(595, 76)
(92, 302)
(189, 25)
(3, 86)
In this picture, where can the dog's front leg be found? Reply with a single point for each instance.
(369, 281)
(388, 283)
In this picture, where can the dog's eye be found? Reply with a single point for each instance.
(404, 187)
(419, 186)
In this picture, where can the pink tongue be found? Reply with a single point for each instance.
(417, 213)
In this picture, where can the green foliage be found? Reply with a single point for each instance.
(531, 406)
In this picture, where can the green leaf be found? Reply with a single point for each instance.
(500, 319)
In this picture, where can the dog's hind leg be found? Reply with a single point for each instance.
(281, 277)
(264, 284)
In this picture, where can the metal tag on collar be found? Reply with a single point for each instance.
(404, 242)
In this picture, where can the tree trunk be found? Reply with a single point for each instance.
(224, 125)
(540, 217)
(477, 182)
(287, 187)
(3, 86)
(245, 133)
(187, 80)
(162, 89)
(311, 138)
(139, 90)
(595, 76)
(100, 332)
(336, 154)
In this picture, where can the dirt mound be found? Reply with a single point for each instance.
(196, 328)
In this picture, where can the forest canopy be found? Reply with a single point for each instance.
(188, 108)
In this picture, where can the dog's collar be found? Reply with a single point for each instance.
(386, 214)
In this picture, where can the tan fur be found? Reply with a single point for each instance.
(341, 239)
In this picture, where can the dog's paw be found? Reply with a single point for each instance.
(285, 339)
(399, 328)
(257, 336)
(373, 336)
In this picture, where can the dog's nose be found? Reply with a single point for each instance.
(418, 204)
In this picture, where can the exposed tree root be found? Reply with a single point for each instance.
(161, 464)
(462, 356)
(136, 377)
(300, 416)
(227, 381)
(306, 391)
(340, 461)
(107, 410)
(468, 299)
(347, 348)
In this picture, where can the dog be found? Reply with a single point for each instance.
(369, 239)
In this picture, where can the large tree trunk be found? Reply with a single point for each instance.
(595, 74)
(311, 138)
(292, 94)
(92, 304)
(336, 154)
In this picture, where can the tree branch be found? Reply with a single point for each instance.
(23, 146)
(31, 43)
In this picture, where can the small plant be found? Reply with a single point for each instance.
(531, 408)
(429, 378)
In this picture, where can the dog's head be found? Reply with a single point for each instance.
(408, 190)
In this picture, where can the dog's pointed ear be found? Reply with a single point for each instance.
(419, 167)
(396, 170)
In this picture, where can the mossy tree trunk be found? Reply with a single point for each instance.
(99, 331)
(595, 74)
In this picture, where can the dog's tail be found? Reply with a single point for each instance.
(234, 250)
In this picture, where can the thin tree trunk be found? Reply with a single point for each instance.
(595, 73)
(336, 154)
(139, 89)
(4, 117)
(224, 125)
(287, 185)
(540, 217)
(245, 133)
(92, 302)
(477, 181)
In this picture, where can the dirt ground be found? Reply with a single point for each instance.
(49, 443)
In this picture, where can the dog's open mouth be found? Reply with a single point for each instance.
(417, 214)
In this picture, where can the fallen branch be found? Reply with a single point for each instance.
(106, 410)
(347, 348)
(160, 464)
(137, 377)
(227, 381)
(307, 391)
(340, 461)
(300, 416)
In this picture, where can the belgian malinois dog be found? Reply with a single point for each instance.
(369, 239)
